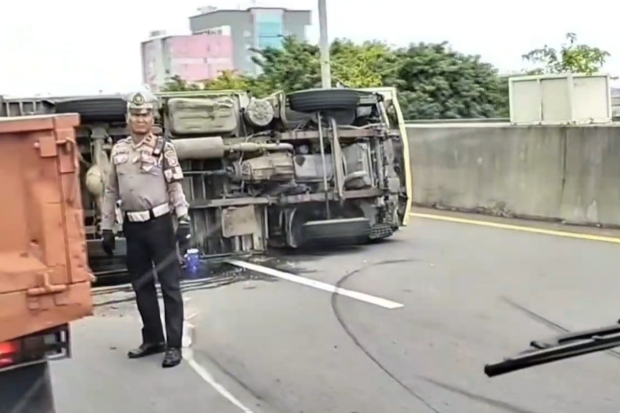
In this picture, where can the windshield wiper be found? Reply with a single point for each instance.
(558, 348)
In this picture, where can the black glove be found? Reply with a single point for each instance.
(108, 242)
(184, 234)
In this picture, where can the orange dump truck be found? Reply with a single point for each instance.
(45, 282)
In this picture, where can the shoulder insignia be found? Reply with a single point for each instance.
(121, 145)
(171, 155)
(150, 141)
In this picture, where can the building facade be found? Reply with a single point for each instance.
(193, 58)
(252, 28)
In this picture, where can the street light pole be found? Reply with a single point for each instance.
(326, 76)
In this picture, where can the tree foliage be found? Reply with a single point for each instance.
(370, 64)
(227, 80)
(572, 57)
(434, 81)
(297, 65)
(176, 84)
(257, 86)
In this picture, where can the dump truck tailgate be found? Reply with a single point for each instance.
(44, 274)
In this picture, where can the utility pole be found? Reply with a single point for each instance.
(326, 76)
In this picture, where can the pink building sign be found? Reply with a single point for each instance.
(193, 58)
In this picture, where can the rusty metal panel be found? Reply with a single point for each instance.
(237, 221)
(44, 276)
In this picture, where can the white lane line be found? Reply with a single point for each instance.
(370, 299)
(203, 373)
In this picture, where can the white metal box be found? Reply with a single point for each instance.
(560, 99)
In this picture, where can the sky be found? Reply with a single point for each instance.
(64, 47)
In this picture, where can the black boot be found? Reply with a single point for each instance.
(172, 358)
(146, 350)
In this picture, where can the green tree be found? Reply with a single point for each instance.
(436, 82)
(297, 66)
(572, 57)
(176, 84)
(370, 64)
(231, 80)
(228, 80)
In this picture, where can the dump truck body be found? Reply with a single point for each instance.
(44, 275)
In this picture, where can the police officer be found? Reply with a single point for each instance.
(146, 177)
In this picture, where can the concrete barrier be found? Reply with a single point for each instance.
(564, 173)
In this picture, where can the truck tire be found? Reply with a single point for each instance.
(108, 108)
(318, 100)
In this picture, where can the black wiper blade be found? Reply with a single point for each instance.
(558, 348)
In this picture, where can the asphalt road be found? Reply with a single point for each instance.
(265, 344)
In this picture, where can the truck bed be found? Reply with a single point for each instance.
(44, 275)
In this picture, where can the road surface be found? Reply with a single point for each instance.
(444, 298)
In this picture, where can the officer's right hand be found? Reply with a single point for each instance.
(183, 235)
(108, 242)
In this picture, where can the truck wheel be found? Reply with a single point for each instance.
(95, 108)
(317, 100)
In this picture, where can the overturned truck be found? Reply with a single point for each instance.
(285, 171)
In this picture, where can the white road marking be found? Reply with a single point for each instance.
(203, 373)
(370, 299)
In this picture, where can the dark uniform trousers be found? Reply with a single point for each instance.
(148, 243)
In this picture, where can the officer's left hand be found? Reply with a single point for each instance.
(184, 233)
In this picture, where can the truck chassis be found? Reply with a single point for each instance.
(287, 171)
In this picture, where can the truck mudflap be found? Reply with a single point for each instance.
(561, 347)
(27, 389)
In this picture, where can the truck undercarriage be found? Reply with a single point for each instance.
(286, 171)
